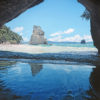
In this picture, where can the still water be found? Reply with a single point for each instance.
(34, 81)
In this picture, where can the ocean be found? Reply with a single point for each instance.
(72, 44)
(57, 71)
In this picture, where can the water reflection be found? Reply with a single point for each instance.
(35, 68)
(6, 94)
(33, 81)
(6, 64)
(94, 91)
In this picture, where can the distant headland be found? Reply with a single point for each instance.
(7, 36)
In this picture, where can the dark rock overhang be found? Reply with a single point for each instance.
(9, 9)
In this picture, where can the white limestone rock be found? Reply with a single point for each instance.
(38, 36)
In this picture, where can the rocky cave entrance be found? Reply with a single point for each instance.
(92, 6)
(69, 20)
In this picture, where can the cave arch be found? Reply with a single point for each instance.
(9, 9)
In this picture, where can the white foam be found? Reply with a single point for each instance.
(33, 49)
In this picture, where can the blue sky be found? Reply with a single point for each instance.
(60, 20)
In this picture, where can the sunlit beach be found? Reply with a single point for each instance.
(33, 49)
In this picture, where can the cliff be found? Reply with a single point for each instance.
(38, 36)
(93, 6)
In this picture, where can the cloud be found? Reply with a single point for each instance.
(18, 29)
(70, 30)
(75, 38)
(55, 34)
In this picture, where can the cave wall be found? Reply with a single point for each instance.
(93, 6)
(9, 9)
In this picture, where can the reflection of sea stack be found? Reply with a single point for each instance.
(38, 36)
(35, 68)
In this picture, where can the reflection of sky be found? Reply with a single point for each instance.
(52, 80)
(69, 68)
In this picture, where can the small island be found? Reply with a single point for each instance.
(83, 41)
(7, 36)
(38, 36)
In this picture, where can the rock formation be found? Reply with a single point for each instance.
(83, 41)
(38, 36)
(93, 6)
(9, 9)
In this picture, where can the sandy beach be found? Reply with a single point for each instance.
(38, 49)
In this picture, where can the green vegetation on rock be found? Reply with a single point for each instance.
(8, 36)
(86, 14)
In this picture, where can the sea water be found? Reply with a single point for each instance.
(36, 81)
(72, 44)
(52, 79)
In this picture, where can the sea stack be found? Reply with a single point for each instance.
(83, 41)
(38, 36)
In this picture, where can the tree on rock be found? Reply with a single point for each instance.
(6, 35)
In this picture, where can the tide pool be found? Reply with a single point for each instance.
(36, 81)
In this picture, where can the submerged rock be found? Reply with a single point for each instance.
(38, 36)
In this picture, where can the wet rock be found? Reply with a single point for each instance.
(69, 96)
(16, 97)
(79, 97)
(38, 36)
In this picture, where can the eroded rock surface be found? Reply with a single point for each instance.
(9, 9)
(93, 6)
(38, 36)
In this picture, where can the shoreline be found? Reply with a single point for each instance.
(39, 49)
(87, 58)
(50, 54)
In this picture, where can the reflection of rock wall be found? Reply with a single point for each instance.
(95, 81)
(38, 36)
(35, 68)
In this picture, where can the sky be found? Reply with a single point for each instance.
(59, 19)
